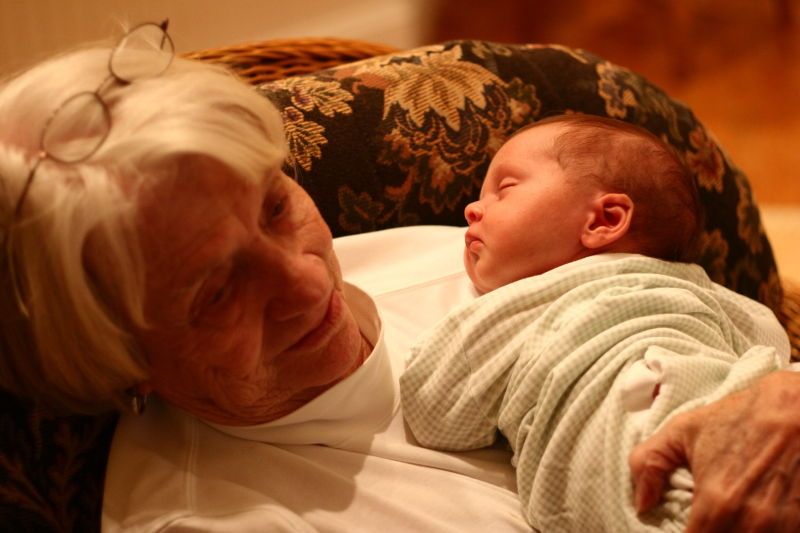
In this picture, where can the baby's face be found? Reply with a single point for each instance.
(529, 217)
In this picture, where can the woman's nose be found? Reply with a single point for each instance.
(303, 290)
(473, 212)
(293, 284)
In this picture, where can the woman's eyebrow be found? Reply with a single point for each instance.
(209, 248)
(208, 262)
(201, 256)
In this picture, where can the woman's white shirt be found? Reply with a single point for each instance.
(343, 462)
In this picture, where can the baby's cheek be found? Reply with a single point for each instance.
(479, 277)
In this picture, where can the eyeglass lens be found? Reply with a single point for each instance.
(77, 128)
(82, 123)
(145, 52)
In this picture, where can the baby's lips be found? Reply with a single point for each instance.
(469, 238)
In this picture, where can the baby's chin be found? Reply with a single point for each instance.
(480, 284)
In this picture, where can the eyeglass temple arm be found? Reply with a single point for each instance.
(164, 25)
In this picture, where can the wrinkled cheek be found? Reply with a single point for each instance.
(335, 271)
(341, 357)
(236, 379)
(241, 355)
(233, 350)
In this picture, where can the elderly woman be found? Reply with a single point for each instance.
(152, 245)
(176, 230)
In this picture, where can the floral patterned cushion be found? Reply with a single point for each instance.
(406, 139)
(51, 468)
(400, 140)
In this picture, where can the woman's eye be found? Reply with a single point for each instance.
(278, 208)
(273, 210)
(214, 294)
(217, 296)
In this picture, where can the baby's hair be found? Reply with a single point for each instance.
(625, 158)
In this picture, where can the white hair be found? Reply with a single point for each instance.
(76, 350)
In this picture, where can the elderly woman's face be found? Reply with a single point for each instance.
(243, 293)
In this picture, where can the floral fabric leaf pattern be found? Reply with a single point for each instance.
(51, 468)
(424, 124)
(612, 88)
(485, 49)
(749, 229)
(304, 137)
(308, 94)
(655, 102)
(368, 67)
(359, 211)
(439, 83)
(714, 254)
(705, 160)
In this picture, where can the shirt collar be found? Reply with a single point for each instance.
(355, 408)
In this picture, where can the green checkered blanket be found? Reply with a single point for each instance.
(546, 360)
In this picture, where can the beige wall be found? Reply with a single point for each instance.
(33, 29)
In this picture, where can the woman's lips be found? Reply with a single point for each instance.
(327, 327)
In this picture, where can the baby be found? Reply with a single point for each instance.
(590, 331)
(566, 188)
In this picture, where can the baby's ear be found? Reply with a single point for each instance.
(608, 220)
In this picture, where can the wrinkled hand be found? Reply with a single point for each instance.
(744, 455)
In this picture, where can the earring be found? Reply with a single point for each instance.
(138, 401)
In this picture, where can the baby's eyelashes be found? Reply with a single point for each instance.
(506, 183)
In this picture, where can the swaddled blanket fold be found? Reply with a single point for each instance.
(557, 363)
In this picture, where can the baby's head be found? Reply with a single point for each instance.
(572, 186)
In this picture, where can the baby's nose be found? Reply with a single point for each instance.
(473, 212)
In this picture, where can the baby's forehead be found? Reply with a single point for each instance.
(535, 140)
(540, 129)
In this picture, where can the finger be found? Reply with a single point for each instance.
(652, 461)
(651, 474)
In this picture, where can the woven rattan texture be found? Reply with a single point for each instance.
(281, 58)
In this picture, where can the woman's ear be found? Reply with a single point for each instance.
(609, 220)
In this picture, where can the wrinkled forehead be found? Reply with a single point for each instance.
(183, 210)
(190, 185)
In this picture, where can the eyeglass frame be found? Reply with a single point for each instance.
(43, 154)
